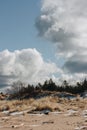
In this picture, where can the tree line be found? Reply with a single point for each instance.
(19, 89)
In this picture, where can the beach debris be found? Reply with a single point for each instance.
(81, 128)
(16, 126)
(71, 112)
(46, 111)
(42, 112)
(18, 113)
(56, 112)
(35, 114)
(48, 122)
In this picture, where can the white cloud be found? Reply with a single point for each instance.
(26, 65)
(64, 23)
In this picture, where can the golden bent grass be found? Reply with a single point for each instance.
(50, 103)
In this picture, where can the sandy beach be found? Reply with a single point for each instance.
(42, 122)
(72, 115)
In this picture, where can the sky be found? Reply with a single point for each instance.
(42, 39)
(17, 26)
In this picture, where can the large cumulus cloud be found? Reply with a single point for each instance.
(64, 23)
(26, 65)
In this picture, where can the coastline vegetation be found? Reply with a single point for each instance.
(20, 91)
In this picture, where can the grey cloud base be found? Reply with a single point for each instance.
(64, 23)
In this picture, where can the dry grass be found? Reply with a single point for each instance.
(41, 107)
(50, 103)
(15, 105)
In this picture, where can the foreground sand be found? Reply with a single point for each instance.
(42, 122)
(72, 115)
